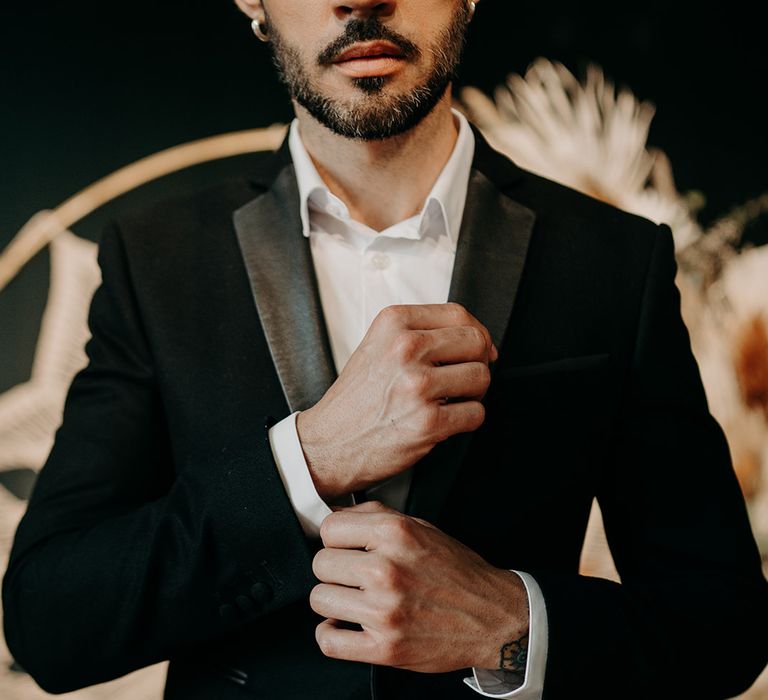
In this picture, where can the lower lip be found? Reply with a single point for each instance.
(370, 67)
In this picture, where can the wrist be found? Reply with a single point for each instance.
(504, 645)
(316, 450)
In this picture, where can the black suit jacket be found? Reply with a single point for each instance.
(159, 527)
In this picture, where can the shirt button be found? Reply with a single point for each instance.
(227, 611)
(380, 261)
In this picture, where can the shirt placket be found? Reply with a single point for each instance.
(376, 279)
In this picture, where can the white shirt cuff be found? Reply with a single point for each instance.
(492, 682)
(289, 457)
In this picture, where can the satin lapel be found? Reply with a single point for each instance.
(490, 254)
(279, 264)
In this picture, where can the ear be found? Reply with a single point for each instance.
(253, 8)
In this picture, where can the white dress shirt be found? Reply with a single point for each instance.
(359, 272)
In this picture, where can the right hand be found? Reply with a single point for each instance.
(387, 409)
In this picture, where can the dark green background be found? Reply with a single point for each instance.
(89, 87)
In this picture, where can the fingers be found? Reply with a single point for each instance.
(339, 643)
(456, 344)
(354, 528)
(434, 316)
(368, 526)
(467, 380)
(459, 417)
(340, 603)
(345, 567)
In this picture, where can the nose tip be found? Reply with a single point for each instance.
(362, 9)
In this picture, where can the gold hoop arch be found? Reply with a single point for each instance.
(41, 230)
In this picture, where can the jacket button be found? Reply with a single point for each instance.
(244, 603)
(261, 592)
(227, 611)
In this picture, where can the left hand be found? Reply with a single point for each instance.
(425, 601)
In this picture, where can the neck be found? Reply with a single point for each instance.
(405, 167)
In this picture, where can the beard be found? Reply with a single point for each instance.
(376, 114)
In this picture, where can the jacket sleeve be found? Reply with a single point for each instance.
(690, 615)
(119, 561)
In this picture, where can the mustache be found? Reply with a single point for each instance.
(369, 29)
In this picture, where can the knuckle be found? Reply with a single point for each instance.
(385, 574)
(388, 656)
(389, 315)
(417, 382)
(457, 310)
(391, 618)
(406, 346)
(394, 651)
(430, 422)
(476, 336)
(398, 529)
(484, 375)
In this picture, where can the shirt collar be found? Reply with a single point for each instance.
(445, 200)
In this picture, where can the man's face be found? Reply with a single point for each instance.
(370, 73)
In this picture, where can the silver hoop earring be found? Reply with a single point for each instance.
(260, 29)
(472, 7)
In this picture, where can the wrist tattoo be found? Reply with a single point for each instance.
(514, 655)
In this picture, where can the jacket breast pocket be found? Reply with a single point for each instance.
(554, 418)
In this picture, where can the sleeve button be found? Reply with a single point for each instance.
(261, 592)
(227, 611)
(244, 603)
